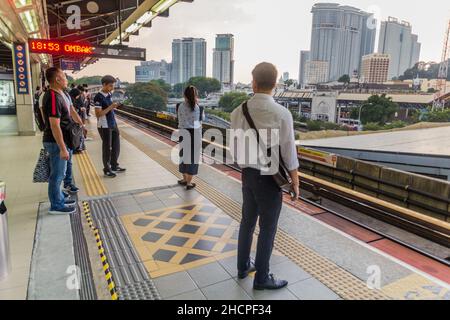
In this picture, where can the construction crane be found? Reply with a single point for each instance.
(443, 72)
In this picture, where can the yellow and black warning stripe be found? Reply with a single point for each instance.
(106, 268)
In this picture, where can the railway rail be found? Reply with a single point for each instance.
(427, 227)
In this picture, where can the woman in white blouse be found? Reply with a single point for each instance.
(190, 118)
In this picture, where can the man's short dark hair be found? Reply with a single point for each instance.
(108, 80)
(85, 85)
(50, 74)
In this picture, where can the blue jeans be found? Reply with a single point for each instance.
(57, 172)
(68, 179)
(263, 199)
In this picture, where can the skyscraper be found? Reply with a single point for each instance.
(341, 35)
(397, 40)
(188, 59)
(152, 70)
(375, 68)
(304, 58)
(223, 59)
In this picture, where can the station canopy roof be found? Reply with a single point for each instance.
(104, 22)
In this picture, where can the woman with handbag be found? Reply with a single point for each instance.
(190, 118)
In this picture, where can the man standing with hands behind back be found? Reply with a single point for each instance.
(262, 197)
(107, 127)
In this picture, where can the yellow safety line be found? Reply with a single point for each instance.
(94, 185)
(345, 284)
(101, 251)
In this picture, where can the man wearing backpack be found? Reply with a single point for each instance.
(59, 116)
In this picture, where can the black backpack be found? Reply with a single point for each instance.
(40, 123)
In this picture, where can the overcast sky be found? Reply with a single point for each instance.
(270, 30)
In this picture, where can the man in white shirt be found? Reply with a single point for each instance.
(262, 197)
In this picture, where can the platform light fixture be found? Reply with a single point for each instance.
(22, 3)
(145, 18)
(163, 5)
(29, 19)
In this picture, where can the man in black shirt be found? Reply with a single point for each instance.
(58, 115)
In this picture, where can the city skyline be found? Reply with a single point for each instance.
(258, 39)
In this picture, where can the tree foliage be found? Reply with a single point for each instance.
(164, 85)
(147, 95)
(431, 71)
(377, 109)
(204, 85)
(91, 80)
(344, 79)
(231, 100)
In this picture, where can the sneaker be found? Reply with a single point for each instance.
(110, 174)
(63, 211)
(71, 188)
(118, 169)
(70, 203)
(271, 284)
(66, 195)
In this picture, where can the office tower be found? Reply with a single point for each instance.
(317, 72)
(375, 68)
(285, 76)
(397, 40)
(152, 70)
(223, 59)
(188, 59)
(341, 35)
(304, 58)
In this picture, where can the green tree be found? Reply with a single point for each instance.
(289, 82)
(91, 80)
(148, 96)
(378, 109)
(231, 100)
(205, 85)
(344, 79)
(163, 85)
(178, 89)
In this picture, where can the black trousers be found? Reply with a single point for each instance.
(110, 147)
(263, 199)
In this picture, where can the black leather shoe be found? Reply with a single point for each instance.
(118, 169)
(270, 284)
(244, 274)
(110, 174)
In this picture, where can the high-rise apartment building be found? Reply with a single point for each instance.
(341, 35)
(188, 59)
(375, 68)
(317, 71)
(304, 58)
(223, 59)
(153, 70)
(397, 40)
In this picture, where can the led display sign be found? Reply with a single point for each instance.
(60, 47)
(85, 49)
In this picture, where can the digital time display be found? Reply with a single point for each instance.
(60, 47)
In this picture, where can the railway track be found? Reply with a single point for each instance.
(404, 219)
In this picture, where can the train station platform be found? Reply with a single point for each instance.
(140, 236)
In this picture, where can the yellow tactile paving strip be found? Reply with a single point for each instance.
(92, 182)
(337, 279)
(179, 238)
(416, 287)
